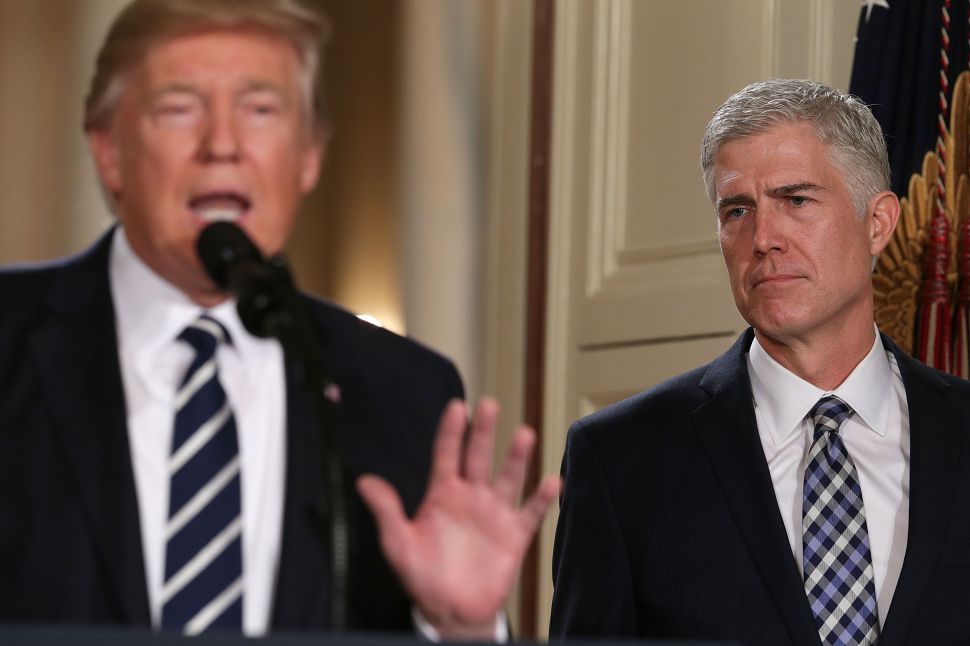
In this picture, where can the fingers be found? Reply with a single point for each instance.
(446, 456)
(508, 484)
(447, 460)
(385, 505)
(536, 506)
(481, 441)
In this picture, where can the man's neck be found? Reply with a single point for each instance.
(825, 363)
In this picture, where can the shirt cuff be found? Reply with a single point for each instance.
(427, 631)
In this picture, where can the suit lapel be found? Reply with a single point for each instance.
(935, 447)
(75, 351)
(729, 432)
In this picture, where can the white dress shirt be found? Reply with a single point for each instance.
(150, 314)
(876, 436)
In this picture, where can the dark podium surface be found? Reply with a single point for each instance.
(17, 635)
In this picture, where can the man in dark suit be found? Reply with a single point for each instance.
(811, 484)
(159, 465)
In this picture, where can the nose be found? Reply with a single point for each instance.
(768, 234)
(220, 142)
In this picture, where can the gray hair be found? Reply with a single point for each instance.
(144, 23)
(842, 122)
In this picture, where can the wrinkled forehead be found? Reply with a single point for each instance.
(788, 154)
(143, 57)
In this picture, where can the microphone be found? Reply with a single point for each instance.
(227, 253)
(263, 287)
(269, 306)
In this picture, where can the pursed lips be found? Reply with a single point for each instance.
(773, 279)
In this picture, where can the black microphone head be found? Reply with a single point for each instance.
(222, 246)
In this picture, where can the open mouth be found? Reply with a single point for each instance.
(219, 206)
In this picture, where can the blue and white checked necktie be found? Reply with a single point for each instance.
(836, 557)
(203, 552)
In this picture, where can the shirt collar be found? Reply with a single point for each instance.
(150, 312)
(789, 398)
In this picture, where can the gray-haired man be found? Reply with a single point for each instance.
(809, 484)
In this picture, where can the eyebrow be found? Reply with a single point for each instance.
(794, 189)
(262, 86)
(250, 87)
(734, 200)
(787, 190)
(174, 88)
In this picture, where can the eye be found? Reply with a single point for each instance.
(177, 111)
(798, 200)
(735, 212)
(261, 105)
(262, 108)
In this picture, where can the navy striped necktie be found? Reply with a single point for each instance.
(837, 559)
(203, 553)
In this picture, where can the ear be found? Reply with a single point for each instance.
(107, 160)
(881, 217)
(310, 168)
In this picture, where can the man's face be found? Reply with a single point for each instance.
(209, 126)
(797, 254)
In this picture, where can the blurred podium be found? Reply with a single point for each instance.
(83, 636)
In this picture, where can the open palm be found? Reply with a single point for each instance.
(459, 556)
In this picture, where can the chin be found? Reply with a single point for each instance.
(776, 328)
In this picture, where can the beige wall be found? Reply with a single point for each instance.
(49, 201)
(442, 177)
(507, 107)
(346, 245)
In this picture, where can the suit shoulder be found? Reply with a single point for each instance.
(356, 345)
(661, 406)
(668, 407)
(959, 386)
(914, 371)
(28, 285)
(24, 289)
(25, 284)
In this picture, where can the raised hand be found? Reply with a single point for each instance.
(459, 556)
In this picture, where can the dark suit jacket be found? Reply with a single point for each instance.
(70, 544)
(669, 525)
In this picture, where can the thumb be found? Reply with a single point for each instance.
(385, 505)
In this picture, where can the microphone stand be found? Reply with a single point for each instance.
(269, 306)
